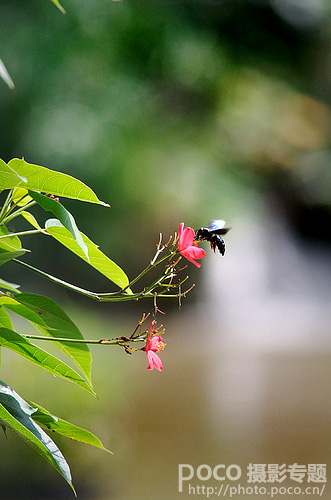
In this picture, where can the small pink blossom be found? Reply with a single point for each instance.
(153, 345)
(187, 246)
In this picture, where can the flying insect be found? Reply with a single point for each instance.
(213, 235)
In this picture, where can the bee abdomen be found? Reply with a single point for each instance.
(219, 243)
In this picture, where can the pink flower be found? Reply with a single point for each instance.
(187, 246)
(153, 345)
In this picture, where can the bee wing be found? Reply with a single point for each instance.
(218, 226)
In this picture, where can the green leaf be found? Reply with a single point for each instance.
(14, 341)
(63, 215)
(5, 75)
(9, 178)
(21, 197)
(10, 247)
(13, 305)
(57, 3)
(52, 321)
(31, 219)
(56, 424)
(5, 322)
(98, 260)
(16, 414)
(51, 182)
(9, 286)
(9, 243)
(7, 256)
(13, 402)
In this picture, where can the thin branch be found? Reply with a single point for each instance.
(6, 205)
(113, 341)
(102, 297)
(22, 233)
(56, 280)
(18, 212)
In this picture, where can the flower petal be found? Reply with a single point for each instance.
(180, 229)
(192, 253)
(186, 237)
(154, 361)
(187, 255)
(196, 252)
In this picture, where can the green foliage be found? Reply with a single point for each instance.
(17, 414)
(51, 320)
(5, 75)
(8, 286)
(25, 185)
(17, 343)
(10, 242)
(32, 220)
(65, 217)
(59, 6)
(37, 178)
(7, 256)
(9, 178)
(97, 259)
(29, 186)
(25, 418)
(5, 320)
(56, 424)
(10, 246)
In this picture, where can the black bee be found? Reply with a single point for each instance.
(213, 235)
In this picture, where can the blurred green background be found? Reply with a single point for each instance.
(180, 111)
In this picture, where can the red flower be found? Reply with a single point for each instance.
(153, 345)
(187, 246)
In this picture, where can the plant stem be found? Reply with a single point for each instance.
(22, 233)
(102, 297)
(57, 280)
(6, 205)
(114, 341)
(18, 212)
(149, 267)
(136, 296)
